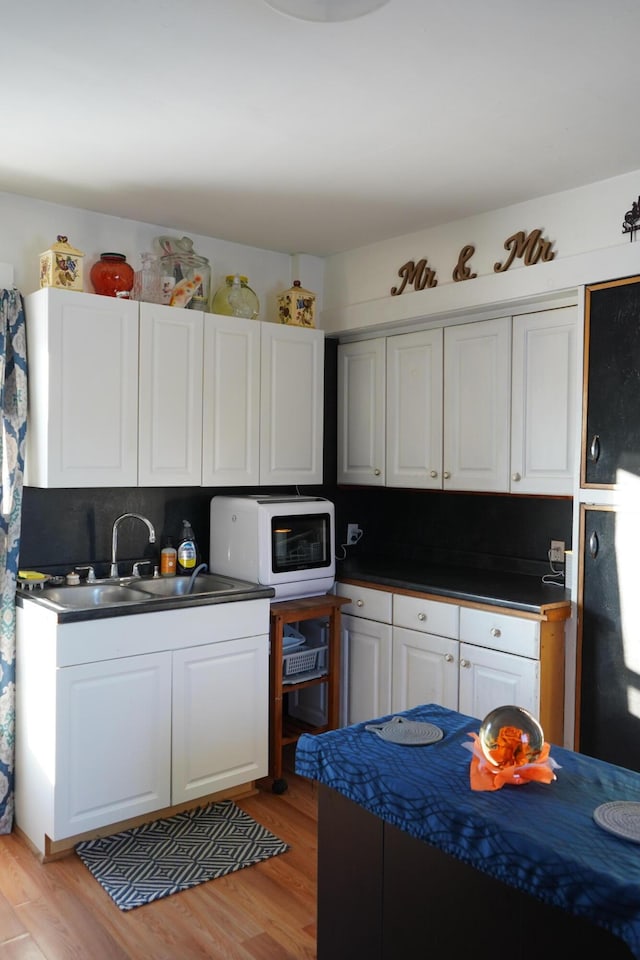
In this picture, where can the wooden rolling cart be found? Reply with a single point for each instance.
(285, 729)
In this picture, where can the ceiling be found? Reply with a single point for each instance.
(228, 119)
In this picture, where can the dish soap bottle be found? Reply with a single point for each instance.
(187, 550)
(168, 559)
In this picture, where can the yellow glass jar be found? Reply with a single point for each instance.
(235, 298)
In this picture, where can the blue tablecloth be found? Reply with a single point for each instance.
(540, 838)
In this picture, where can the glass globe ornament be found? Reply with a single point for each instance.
(510, 736)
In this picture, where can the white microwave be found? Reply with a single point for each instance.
(282, 542)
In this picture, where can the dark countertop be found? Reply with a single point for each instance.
(517, 591)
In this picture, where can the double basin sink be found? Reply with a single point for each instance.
(86, 596)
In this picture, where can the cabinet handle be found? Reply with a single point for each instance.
(446, 475)
(448, 657)
(495, 632)
(594, 449)
(434, 473)
(422, 616)
(594, 545)
(465, 663)
(515, 477)
(377, 472)
(359, 603)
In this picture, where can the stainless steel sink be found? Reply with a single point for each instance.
(204, 583)
(91, 595)
(88, 596)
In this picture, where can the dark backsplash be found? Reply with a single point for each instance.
(65, 528)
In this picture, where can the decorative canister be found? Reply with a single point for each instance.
(61, 266)
(235, 298)
(111, 275)
(186, 276)
(147, 282)
(297, 306)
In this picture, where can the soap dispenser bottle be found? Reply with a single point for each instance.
(187, 550)
(168, 559)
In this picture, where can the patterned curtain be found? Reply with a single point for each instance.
(13, 409)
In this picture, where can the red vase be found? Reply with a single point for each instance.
(112, 276)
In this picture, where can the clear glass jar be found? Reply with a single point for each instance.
(147, 282)
(235, 298)
(179, 263)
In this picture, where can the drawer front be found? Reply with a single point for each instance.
(428, 616)
(499, 632)
(372, 604)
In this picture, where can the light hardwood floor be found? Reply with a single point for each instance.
(57, 911)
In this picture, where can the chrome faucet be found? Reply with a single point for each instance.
(114, 538)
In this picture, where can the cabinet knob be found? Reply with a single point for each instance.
(446, 475)
(359, 603)
(433, 473)
(495, 632)
(422, 616)
(448, 657)
(465, 663)
(594, 449)
(594, 545)
(515, 477)
(377, 472)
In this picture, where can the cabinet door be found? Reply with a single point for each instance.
(608, 718)
(366, 671)
(220, 716)
(425, 670)
(83, 390)
(113, 743)
(231, 402)
(361, 412)
(414, 410)
(477, 394)
(291, 405)
(170, 396)
(543, 402)
(491, 678)
(611, 427)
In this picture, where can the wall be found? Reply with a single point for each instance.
(585, 226)
(28, 227)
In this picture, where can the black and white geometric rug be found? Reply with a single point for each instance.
(157, 859)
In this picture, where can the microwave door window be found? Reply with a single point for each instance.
(300, 543)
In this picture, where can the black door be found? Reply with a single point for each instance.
(609, 722)
(611, 438)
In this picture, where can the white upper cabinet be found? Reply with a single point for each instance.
(82, 428)
(231, 402)
(125, 394)
(544, 402)
(414, 410)
(170, 396)
(362, 412)
(488, 405)
(477, 394)
(291, 404)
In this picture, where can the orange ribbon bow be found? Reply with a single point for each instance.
(512, 765)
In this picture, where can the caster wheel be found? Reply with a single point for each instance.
(279, 786)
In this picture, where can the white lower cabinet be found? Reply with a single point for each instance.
(125, 716)
(402, 651)
(112, 741)
(219, 733)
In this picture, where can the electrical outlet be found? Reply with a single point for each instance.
(354, 533)
(556, 551)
